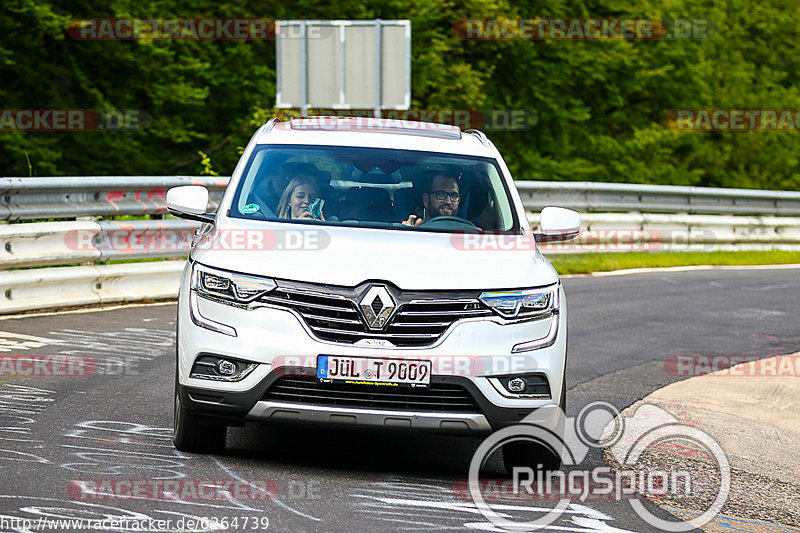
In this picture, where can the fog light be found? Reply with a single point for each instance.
(218, 368)
(516, 385)
(524, 386)
(226, 368)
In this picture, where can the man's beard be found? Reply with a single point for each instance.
(437, 211)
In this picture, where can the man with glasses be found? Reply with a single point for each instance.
(442, 199)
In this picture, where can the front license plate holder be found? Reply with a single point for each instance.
(385, 371)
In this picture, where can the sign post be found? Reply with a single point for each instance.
(343, 64)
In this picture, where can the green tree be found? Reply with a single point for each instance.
(600, 104)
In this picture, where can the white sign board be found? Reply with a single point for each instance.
(343, 64)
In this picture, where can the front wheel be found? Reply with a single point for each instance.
(526, 453)
(531, 455)
(188, 435)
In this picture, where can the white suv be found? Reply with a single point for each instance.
(369, 273)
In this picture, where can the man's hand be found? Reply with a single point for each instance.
(412, 220)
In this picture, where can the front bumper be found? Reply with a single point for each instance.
(268, 411)
(235, 408)
(278, 340)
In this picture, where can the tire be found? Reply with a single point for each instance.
(530, 454)
(189, 435)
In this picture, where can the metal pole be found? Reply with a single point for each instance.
(343, 70)
(378, 64)
(278, 69)
(304, 69)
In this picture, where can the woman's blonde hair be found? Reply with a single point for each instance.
(284, 209)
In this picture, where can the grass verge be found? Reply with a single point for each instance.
(603, 262)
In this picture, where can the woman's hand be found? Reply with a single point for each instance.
(308, 216)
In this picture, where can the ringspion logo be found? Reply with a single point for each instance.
(631, 441)
(583, 485)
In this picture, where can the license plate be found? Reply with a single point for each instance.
(374, 371)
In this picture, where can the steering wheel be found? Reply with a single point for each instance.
(449, 222)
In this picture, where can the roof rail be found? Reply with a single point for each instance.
(329, 117)
(376, 125)
(271, 124)
(480, 135)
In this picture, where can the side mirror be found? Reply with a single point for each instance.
(189, 201)
(558, 224)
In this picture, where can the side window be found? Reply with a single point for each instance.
(483, 207)
(251, 180)
(502, 210)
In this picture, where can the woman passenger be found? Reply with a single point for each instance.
(297, 197)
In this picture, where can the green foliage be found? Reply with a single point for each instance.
(604, 262)
(600, 104)
(205, 162)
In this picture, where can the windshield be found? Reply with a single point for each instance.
(374, 187)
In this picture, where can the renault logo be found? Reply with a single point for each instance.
(377, 306)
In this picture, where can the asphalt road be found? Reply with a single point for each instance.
(116, 424)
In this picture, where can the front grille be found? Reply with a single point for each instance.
(433, 317)
(334, 317)
(439, 397)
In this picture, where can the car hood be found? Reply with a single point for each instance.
(348, 256)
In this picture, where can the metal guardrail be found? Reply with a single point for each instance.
(588, 197)
(630, 232)
(617, 217)
(69, 197)
(88, 241)
(83, 241)
(47, 288)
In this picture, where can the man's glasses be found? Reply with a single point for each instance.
(441, 195)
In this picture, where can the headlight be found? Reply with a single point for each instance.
(522, 304)
(238, 288)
